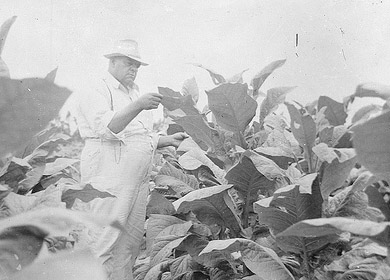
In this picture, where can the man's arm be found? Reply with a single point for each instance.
(123, 117)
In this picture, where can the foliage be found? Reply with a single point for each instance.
(243, 198)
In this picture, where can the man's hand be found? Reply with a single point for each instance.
(172, 140)
(149, 101)
(177, 138)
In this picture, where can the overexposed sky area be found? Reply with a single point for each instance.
(340, 43)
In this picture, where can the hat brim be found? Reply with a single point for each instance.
(129, 56)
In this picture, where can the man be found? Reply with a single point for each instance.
(116, 123)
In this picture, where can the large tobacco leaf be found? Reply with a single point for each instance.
(258, 80)
(69, 265)
(173, 100)
(304, 129)
(169, 170)
(178, 187)
(211, 206)
(334, 112)
(56, 221)
(371, 140)
(195, 158)
(19, 246)
(232, 107)
(85, 193)
(158, 204)
(288, 206)
(59, 164)
(372, 90)
(167, 240)
(260, 260)
(365, 113)
(248, 178)
(197, 127)
(23, 235)
(157, 223)
(281, 156)
(26, 107)
(275, 97)
(336, 166)
(327, 226)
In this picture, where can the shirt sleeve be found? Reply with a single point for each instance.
(95, 105)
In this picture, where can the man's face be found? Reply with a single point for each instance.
(125, 69)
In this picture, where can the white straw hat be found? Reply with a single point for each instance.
(128, 48)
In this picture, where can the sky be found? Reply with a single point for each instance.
(341, 43)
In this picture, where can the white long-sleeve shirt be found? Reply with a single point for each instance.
(98, 105)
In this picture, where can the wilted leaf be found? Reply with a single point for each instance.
(260, 260)
(326, 226)
(372, 141)
(70, 265)
(258, 80)
(365, 113)
(211, 205)
(26, 106)
(232, 107)
(275, 97)
(217, 78)
(173, 100)
(190, 87)
(335, 173)
(334, 112)
(304, 129)
(86, 194)
(237, 78)
(373, 90)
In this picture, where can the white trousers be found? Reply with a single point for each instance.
(123, 170)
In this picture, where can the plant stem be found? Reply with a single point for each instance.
(307, 269)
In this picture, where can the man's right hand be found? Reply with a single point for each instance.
(149, 101)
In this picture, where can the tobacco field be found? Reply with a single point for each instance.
(252, 194)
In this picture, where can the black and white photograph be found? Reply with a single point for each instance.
(194, 140)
